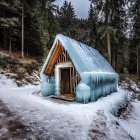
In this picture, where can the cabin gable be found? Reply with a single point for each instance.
(61, 60)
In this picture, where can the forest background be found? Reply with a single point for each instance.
(112, 27)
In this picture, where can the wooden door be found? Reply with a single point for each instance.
(65, 81)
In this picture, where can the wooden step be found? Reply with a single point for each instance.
(66, 97)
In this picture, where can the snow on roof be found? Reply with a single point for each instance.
(84, 58)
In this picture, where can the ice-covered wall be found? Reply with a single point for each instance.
(82, 93)
(100, 84)
(47, 85)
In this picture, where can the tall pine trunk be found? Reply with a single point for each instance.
(113, 59)
(4, 39)
(138, 61)
(109, 47)
(10, 46)
(4, 36)
(116, 58)
(22, 42)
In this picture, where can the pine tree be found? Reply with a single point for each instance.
(119, 43)
(52, 25)
(39, 25)
(103, 7)
(66, 17)
(135, 15)
(93, 27)
(111, 14)
(37, 29)
(9, 23)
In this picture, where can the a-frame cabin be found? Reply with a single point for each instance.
(76, 71)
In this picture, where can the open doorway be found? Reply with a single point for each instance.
(65, 84)
(65, 81)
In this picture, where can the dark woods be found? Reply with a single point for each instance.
(112, 27)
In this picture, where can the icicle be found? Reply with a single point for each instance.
(47, 85)
(82, 93)
(44, 78)
(47, 88)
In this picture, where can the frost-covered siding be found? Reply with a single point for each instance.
(100, 83)
(92, 67)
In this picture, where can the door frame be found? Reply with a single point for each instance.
(58, 68)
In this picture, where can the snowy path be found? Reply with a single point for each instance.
(132, 123)
(55, 123)
(60, 120)
(53, 119)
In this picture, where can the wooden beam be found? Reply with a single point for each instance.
(53, 58)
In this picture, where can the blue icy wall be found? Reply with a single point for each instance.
(47, 85)
(91, 87)
(95, 85)
(82, 93)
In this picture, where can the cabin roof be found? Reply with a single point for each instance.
(85, 58)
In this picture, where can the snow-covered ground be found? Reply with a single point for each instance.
(60, 120)
(6, 83)
(12, 79)
(131, 121)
